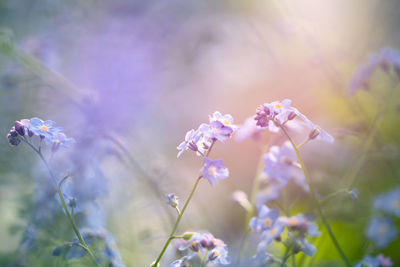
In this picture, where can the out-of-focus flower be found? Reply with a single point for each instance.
(216, 130)
(273, 233)
(281, 164)
(384, 261)
(213, 170)
(268, 193)
(386, 58)
(301, 244)
(59, 140)
(248, 130)
(239, 197)
(265, 219)
(353, 193)
(181, 262)
(300, 224)
(389, 202)
(204, 245)
(381, 231)
(172, 200)
(45, 129)
(378, 261)
(316, 131)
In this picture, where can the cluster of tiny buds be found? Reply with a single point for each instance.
(17, 130)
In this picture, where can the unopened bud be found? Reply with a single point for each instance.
(239, 197)
(172, 200)
(188, 235)
(20, 128)
(314, 133)
(194, 246)
(193, 146)
(214, 254)
(291, 116)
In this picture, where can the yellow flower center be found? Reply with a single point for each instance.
(272, 232)
(396, 204)
(215, 130)
(267, 223)
(226, 122)
(212, 171)
(44, 128)
(382, 230)
(292, 221)
(278, 105)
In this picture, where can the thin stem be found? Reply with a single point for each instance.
(285, 256)
(293, 260)
(332, 195)
(177, 221)
(302, 144)
(71, 220)
(314, 198)
(203, 259)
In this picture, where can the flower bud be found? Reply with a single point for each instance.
(193, 146)
(30, 133)
(172, 200)
(188, 235)
(314, 133)
(20, 128)
(194, 246)
(291, 116)
(214, 254)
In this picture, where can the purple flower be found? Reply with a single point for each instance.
(368, 261)
(273, 233)
(265, 219)
(280, 164)
(268, 193)
(59, 140)
(389, 202)
(384, 261)
(353, 193)
(172, 200)
(181, 262)
(248, 130)
(43, 128)
(213, 170)
(191, 139)
(216, 131)
(226, 120)
(204, 245)
(302, 245)
(300, 224)
(274, 114)
(316, 131)
(381, 231)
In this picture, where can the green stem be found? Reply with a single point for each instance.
(71, 220)
(293, 260)
(181, 213)
(317, 203)
(285, 257)
(171, 235)
(203, 259)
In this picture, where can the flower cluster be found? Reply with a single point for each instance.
(378, 261)
(271, 226)
(205, 246)
(385, 59)
(220, 128)
(45, 130)
(381, 229)
(276, 114)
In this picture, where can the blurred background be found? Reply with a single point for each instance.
(128, 79)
